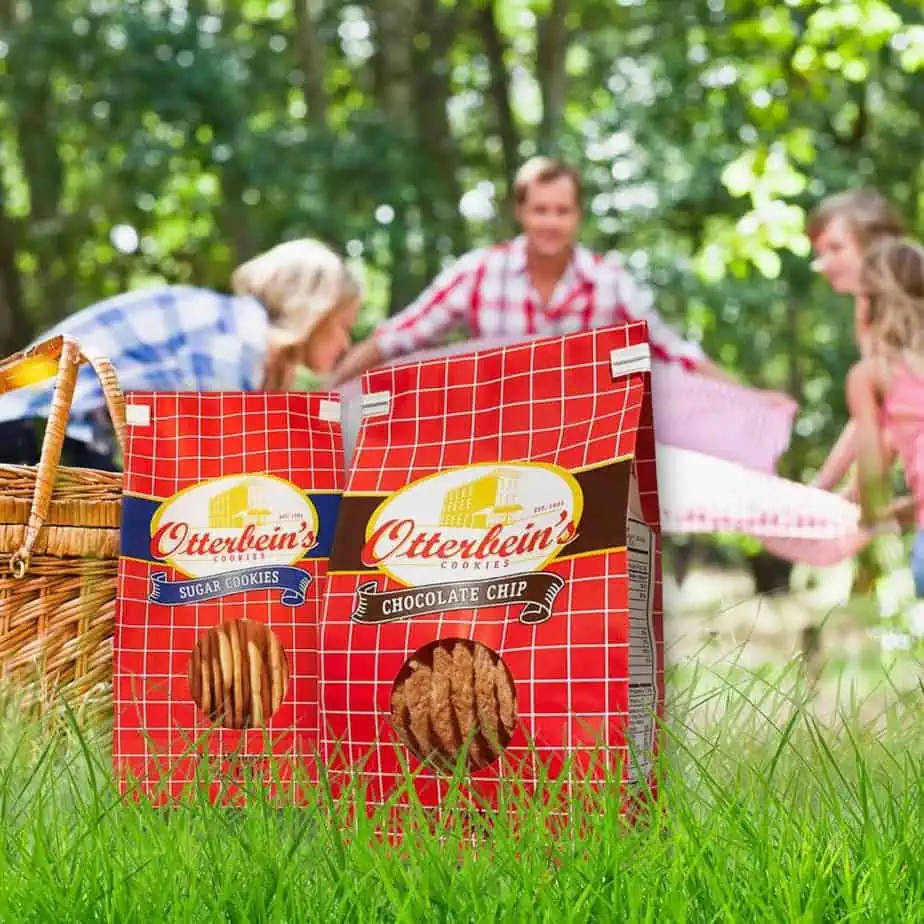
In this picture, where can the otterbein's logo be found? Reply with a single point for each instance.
(472, 537)
(231, 535)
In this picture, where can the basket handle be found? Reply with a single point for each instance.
(59, 357)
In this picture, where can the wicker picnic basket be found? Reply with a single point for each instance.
(59, 545)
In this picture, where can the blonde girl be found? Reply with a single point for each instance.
(885, 389)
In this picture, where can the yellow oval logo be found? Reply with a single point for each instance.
(475, 521)
(220, 525)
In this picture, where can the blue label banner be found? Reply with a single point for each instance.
(292, 581)
(138, 512)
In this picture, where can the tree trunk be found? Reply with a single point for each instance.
(394, 68)
(16, 328)
(553, 83)
(311, 58)
(440, 212)
(771, 574)
(499, 92)
(43, 169)
(394, 21)
(232, 217)
(678, 557)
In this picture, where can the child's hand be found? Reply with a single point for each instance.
(850, 491)
(903, 512)
(877, 510)
(885, 527)
(870, 519)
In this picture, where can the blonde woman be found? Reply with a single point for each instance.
(291, 306)
(311, 301)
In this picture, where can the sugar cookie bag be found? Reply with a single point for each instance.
(229, 508)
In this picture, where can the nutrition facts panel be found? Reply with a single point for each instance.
(642, 689)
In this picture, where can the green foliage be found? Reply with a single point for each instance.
(206, 131)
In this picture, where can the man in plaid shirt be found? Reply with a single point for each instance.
(293, 305)
(540, 284)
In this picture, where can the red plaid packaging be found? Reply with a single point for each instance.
(228, 516)
(495, 576)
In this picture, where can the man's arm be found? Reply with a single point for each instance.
(634, 302)
(362, 357)
(440, 309)
(711, 370)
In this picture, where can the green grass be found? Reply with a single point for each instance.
(768, 814)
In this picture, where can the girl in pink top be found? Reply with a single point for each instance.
(885, 389)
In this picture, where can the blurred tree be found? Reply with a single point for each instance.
(147, 139)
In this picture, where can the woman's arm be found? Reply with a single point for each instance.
(842, 455)
(863, 403)
(844, 452)
(851, 490)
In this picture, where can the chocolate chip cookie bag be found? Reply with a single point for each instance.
(494, 593)
(228, 516)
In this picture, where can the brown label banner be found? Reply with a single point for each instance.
(535, 592)
(602, 526)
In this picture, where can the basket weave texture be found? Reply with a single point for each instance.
(59, 543)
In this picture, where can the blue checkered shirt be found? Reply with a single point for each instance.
(168, 338)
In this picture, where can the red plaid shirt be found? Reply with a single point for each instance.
(489, 292)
